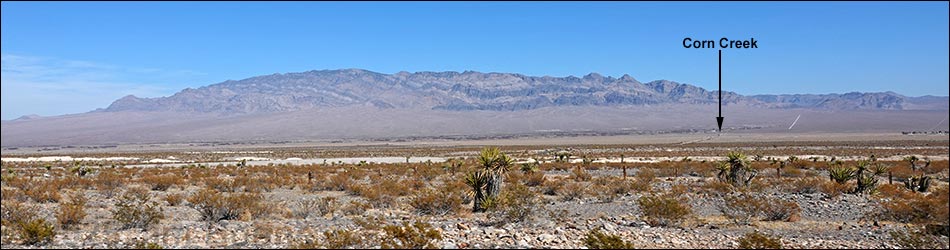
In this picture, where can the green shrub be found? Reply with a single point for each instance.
(598, 240)
(36, 232)
(756, 240)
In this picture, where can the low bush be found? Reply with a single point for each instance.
(664, 210)
(573, 191)
(314, 207)
(756, 240)
(36, 231)
(161, 182)
(173, 199)
(911, 238)
(436, 202)
(135, 210)
(516, 204)
(533, 179)
(72, 211)
(217, 206)
(598, 240)
(417, 235)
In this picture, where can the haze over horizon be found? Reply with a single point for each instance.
(62, 58)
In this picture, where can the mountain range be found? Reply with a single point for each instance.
(470, 90)
(356, 103)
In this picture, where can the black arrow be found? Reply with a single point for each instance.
(719, 118)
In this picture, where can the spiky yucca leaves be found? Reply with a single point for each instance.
(736, 170)
(918, 183)
(867, 183)
(841, 174)
(478, 181)
(496, 164)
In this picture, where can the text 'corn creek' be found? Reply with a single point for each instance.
(723, 43)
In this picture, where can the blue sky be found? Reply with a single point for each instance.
(64, 57)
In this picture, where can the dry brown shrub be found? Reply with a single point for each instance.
(174, 199)
(109, 182)
(572, 191)
(833, 189)
(918, 208)
(664, 210)
(534, 179)
(216, 206)
(161, 182)
(43, 192)
(71, 212)
(440, 201)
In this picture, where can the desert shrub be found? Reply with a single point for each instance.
(220, 184)
(580, 174)
(742, 208)
(314, 207)
(918, 208)
(43, 192)
(134, 210)
(717, 188)
(915, 238)
(533, 178)
(664, 210)
(340, 239)
(217, 206)
(573, 191)
(161, 182)
(71, 212)
(598, 240)
(833, 189)
(36, 231)
(417, 235)
(355, 208)
(516, 204)
(13, 213)
(808, 185)
(678, 189)
(644, 180)
(173, 199)
(141, 244)
(756, 240)
(775, 209)
(109, 182)
(552, 187)
(436, 202)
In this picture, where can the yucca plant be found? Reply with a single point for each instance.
(736, 170)
(477, 180)
(841, 174)
(496, 165)
(918, 183)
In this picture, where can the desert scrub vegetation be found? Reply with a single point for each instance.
(134, 209)
(745, 207)
(918, 238)
(216, 206)
(516, 204)
(757, 240)
(72, 211)
(912, 207)
(664, 210)
(25, 223)
(440, 201)
(595, 239)
(416, 235)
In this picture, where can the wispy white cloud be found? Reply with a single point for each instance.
(54, 86)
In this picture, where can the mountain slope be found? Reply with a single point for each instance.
(466, 91)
